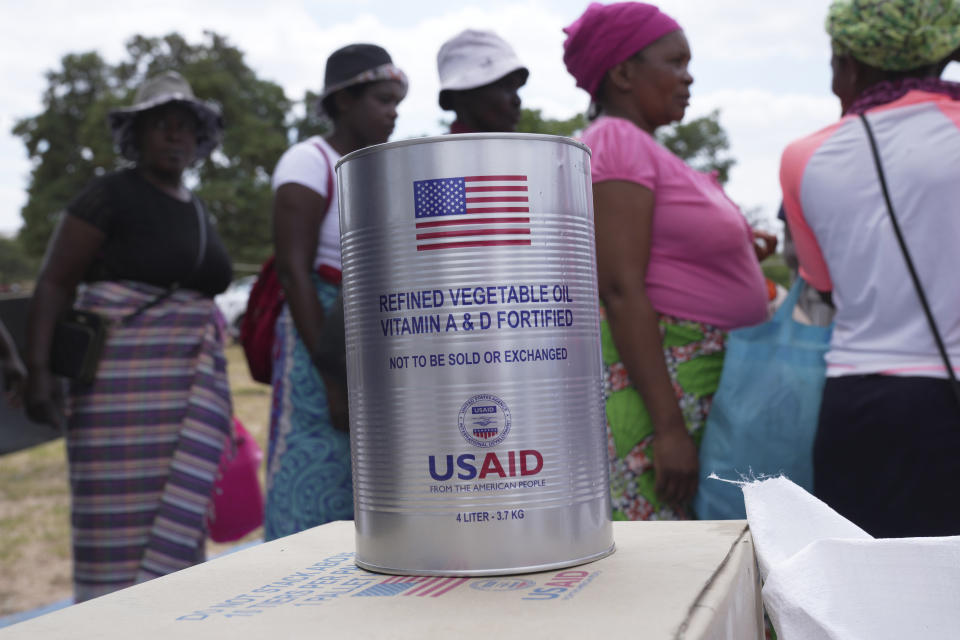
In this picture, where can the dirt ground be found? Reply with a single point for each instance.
(35, 506)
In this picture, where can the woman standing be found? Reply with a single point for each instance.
(888, 440)
(308, 468)
(480, 76)
(144, 438)
(676, 259)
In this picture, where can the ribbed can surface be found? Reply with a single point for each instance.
(473, 354)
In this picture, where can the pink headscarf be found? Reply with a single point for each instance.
(606, 35)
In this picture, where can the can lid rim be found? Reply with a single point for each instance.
(454, 137)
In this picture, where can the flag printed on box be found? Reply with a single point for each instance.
(471, 211)
(421, 586)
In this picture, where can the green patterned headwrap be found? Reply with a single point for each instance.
(895, 35)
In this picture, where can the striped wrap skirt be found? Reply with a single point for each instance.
(145, 438)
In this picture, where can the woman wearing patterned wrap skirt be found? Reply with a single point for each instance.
(676, 262)
(145, 437)
(308, 466)
(693, 353)
(308, 473)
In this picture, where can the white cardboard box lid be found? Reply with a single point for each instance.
(665, 580)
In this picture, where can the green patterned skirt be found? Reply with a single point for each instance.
(694, 355)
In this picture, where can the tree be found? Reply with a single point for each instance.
(311, 122)
(59, 143)
(15, 265)
(69, 143)
(702, 143)
(532, 122)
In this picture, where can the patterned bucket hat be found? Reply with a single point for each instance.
(159, 90)
(358, 64)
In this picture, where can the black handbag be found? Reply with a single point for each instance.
(78, 340)
(79, 336)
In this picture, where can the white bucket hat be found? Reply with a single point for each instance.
(158, 90)
(473, 59)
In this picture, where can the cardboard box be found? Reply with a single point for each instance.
(665, 580)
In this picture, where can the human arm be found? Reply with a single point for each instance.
(624, 222)
(298, 213)
(72, 249)
(812, 265)
(764, 244)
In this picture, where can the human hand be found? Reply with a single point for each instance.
(41, 399)
(764, 244)
(337, 402)
(676, 464)
(14, 380)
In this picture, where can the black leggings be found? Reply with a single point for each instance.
(887, 454)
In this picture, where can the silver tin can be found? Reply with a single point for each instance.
(477, 422)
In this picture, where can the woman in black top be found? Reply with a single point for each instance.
(144, 438)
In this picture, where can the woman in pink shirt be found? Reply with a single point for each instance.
(676, 259)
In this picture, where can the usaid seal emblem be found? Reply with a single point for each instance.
(502, 584)
(484, 420)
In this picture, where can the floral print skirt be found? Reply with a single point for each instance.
(694, 355)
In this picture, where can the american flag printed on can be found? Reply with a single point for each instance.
(472, 211)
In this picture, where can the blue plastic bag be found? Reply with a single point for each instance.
(764, 414)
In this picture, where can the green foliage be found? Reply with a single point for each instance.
(702, 143)
(59, 143)
(531, 121)
(15, 264)
(310, 123)
(69, 142)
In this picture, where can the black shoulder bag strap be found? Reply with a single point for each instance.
(201, 253)
(906, 256)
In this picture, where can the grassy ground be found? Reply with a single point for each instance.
(35, 506)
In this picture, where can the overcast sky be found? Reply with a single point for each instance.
(763, 63)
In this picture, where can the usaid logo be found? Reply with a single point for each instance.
(484, 420)
(502, 584)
